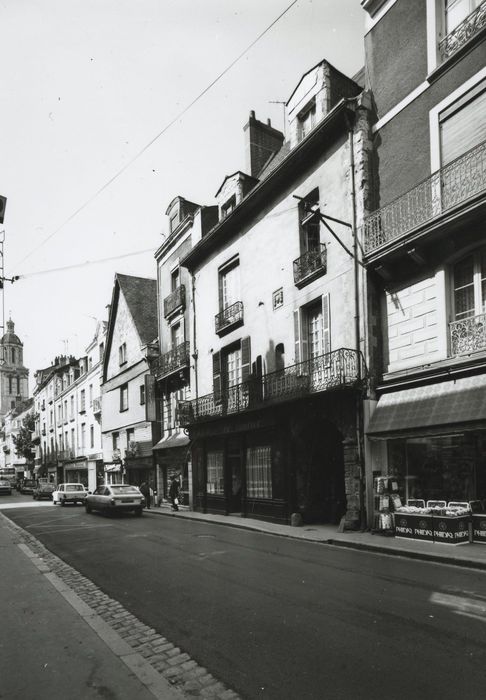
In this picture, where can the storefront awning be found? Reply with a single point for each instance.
(177, 439)
(454, 405)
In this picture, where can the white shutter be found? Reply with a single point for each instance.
(463, 125)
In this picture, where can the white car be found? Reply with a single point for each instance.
(69, 493)
(116, 498)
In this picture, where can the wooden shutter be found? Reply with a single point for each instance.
(245, 358)
(150, 398)
(297, 336)
(463, 124)
(326, 324)
(217, 376)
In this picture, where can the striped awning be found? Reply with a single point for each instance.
(447, 406)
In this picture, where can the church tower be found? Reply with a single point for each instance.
(14, 377)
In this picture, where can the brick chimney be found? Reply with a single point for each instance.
(261, 141)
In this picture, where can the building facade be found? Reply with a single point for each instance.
(130, 424)
(278, 377)
(424, 246)
(14, 377)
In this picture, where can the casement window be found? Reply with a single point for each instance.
(307, 119)
(90, 390)
(228, 207)
(175, 279)
(456, 11)
(469, 285)
(176, 334)
(174, 219)
(142, 394)
(10, 385)
(462, 125)
(259, 472)
(115, 437)
(130, 438)
(312, 325)
(83, 435)
(91, 436)
(124, 397)
(82, 401)
(73, 439)
(13, 356)
(65, 410)
(215, 473)
(101, 351)
(231, 367)
(229, 285)
(309, 223)
(122, 354)
(72, 407)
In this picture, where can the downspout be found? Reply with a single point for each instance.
(194, 354)
(357, 323)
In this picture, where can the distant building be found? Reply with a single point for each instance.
(130, 426)
(14, 377)
(13, 421)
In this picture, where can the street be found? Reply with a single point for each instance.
(276, 618)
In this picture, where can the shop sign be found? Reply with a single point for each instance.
(416, 527)
(479, 527)
(448, 530)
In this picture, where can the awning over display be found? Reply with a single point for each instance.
(453, 405)
(178, 439)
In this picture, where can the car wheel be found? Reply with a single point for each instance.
(87, 507)
(138, 512)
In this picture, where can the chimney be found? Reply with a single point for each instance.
(261, 141)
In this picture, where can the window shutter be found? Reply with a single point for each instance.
(326, 323)
(245, 358)
(297, 335)
(217, 376)
(463, 125)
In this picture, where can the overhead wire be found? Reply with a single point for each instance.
(157, 136)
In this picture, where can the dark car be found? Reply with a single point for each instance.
(28, 486)
(5, 488)
(43, 491)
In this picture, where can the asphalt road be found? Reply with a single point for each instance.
(278, 618)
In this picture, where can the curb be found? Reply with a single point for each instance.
(447, 560)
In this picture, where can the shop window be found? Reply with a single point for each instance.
(259, 472)
(215, 473)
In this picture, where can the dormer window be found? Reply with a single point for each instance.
(174, 220)
(228, 207)
(307, 119)
(122, 354)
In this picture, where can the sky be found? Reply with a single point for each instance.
(87, 88)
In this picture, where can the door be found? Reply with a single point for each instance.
(233, 476)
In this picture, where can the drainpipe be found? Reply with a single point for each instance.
(357, 322)
(194, 354)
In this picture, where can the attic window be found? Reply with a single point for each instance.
(174, 219)
(307, 119)
(228, 207)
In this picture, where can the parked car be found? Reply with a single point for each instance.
(69, 493)
(115, 498)
(43, 491)
(28, 486)
(5, 488)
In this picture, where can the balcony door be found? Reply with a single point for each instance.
(468, 329)
(456, 12)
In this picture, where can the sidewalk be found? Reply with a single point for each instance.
(53, 645)
(466, 555)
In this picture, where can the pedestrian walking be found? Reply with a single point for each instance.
(145, 489)
(174, 490)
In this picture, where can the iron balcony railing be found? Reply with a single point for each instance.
(65, 454)
(311, 264)
(338, 369)
(172, 361)
(176, 301)
(468, 335)
(228, 317)
(454, 184)
(464, 31)
(97, 405)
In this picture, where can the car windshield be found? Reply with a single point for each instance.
(74, 487)
(124, 489)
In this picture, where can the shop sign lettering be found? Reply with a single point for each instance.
(423, 533)
(404, 530)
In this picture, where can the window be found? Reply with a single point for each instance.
(307, 120)
(90, 394)
(72, 407)
(259, 472)
(102, 351)
(124, 397)
(91, 436)
(215, 470)
(279, 357)
(82, 406)
(174, 220)
(176, 334)
(122, 354)
(456, 12)
(312, 330)
(228, 207)
(13, 356)
(65, 410)
(115, 441)
(73, 439)
(130, 435)
(233, 367)
(83, 435)
(229, 285)
(59, 413)
(142, 394)
(10, 385)
(469, 280)
(462, 125)
(309, 223)
(175, 279)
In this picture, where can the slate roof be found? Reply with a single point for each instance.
(141, 296)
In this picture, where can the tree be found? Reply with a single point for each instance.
(24, 444)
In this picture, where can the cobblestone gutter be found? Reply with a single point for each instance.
(182, 672)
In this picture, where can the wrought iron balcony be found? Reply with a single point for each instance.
(97, 405)
(310, 265)
(452, 185)
(172, 361)
(468, 335)
(175, 301)
(334, 370)
(229, 317)
(468, 28)
(65, 454)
